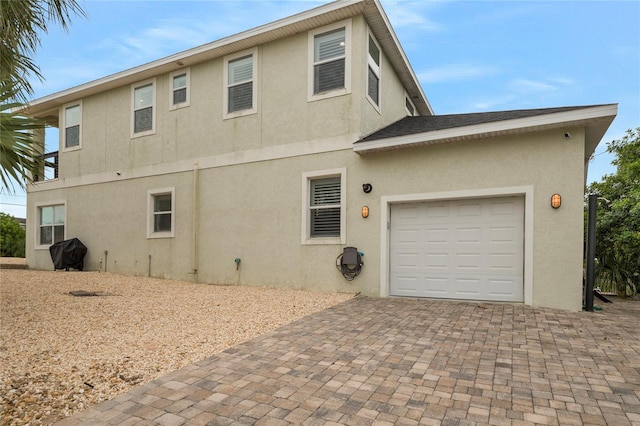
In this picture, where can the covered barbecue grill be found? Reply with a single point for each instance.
(68, 254)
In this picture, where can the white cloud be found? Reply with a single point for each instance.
(524, 85)
(412, 14)
(454, 72)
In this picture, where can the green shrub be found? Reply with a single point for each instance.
(12, 237)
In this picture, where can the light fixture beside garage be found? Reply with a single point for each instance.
(365, 211)
(556, 201)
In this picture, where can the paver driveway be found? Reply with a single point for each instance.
(405, 361)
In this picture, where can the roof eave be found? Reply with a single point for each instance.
(596, 121)
(301, 22)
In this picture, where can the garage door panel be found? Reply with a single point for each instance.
(469, 235)
(468, 261)
(462, 249)
(406, 285)
(436, 287)
(504, 262)
(467, 288)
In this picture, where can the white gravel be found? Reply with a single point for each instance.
(60, 354)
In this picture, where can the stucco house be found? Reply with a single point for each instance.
(250, 160)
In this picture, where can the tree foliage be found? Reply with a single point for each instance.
(20, 155)
(12, 237)
(21, 23)
(618, 217)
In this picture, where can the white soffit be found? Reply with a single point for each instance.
(596, 120)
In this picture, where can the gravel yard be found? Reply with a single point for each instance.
(60, 354)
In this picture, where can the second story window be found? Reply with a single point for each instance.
(179, 89)
(240, 84)
(373, 73)
(72, 119)
(143, 109)
(330, 61)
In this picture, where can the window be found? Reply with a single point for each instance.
(408, 105)
(240, 92)
(143, 99)
(324, 207)
(161, 213)
(330, 71)
(179, 89)
(72, 118)
(373, 73)
(51, 220)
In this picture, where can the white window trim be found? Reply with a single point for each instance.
(225, 83)
(346, 24)
(408, 98)
(36, 225)
(376, 70)
(63, 127)
(306, 178)
(150, 212)
(134, 86)
(187, 72)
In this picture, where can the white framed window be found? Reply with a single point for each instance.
(161, 213)
(240, 83)
(408, 106)
(373, 72)
(324, 207)
(143, 102)
(179, 93)
(52, 218)
(72, 126)
(330, 61)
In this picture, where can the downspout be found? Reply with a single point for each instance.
(195, 225)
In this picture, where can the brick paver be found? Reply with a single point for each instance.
(404, 361)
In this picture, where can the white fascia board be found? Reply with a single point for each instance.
(575, 117)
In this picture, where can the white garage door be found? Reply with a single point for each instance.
(458, 249)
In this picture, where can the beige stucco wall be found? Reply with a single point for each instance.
(284, 114)
(252, 211)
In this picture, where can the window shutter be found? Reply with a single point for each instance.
(325, 207)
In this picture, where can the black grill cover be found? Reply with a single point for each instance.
(68, 254)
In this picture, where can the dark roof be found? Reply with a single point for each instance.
(423, 124)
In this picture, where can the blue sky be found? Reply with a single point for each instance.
(470, 56)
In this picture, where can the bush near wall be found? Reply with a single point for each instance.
(12, 237)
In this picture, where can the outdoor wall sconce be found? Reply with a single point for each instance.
(367, 188)
(365, 212)
(556, 201)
